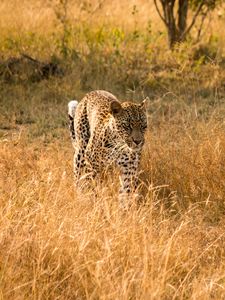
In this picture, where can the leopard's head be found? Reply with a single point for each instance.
(131, 122)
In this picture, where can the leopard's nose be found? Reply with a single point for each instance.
(137, 141)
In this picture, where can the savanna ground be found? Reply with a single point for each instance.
(57, 244)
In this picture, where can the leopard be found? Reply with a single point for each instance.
(104, 132)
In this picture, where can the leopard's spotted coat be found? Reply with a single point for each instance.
(105, 131)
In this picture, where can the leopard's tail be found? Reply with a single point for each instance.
(72, 105)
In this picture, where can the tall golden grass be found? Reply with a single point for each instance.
(58, 244)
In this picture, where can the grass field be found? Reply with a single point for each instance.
(58, 244)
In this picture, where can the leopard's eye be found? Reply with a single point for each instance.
(127, 127)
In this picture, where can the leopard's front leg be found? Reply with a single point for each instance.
(129, 167)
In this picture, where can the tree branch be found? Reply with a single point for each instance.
(182, 15)
(159, 13)
(193, 20)
(201, 24)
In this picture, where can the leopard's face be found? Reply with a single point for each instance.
(131, 124)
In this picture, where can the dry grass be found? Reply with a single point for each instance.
(39, 28)
(39, 15)
(58, 244)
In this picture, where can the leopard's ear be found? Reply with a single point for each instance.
(144, 103)
(116, 108)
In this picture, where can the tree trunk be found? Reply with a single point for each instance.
(177, 28)
(172, 29)
(168, 12)
(182, 18)
(176, 32)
